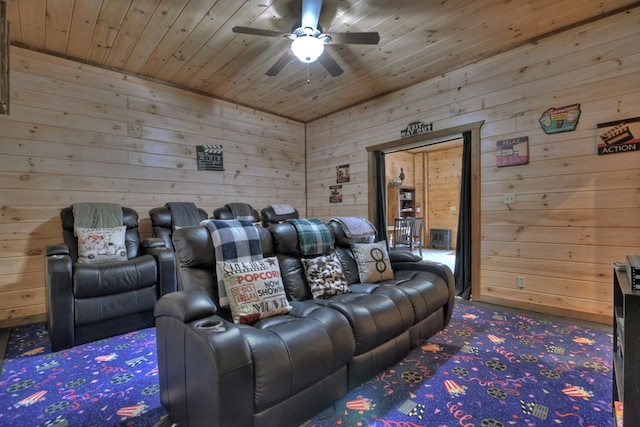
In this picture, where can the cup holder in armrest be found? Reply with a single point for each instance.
(211, 325)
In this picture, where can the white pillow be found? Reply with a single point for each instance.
(373, 261)
(254, 289)
(325, 276)
(97, 245)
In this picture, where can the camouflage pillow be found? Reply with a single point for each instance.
(325, 276)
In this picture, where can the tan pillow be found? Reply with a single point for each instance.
(373, 261)
(254, 289)
(97, 245)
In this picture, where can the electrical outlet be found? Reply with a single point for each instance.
(509, 198)
(520, 281)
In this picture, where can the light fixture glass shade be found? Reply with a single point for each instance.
(307, 48)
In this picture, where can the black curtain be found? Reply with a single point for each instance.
(380, 199)
(462, 271)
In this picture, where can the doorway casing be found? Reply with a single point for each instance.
(433, 137)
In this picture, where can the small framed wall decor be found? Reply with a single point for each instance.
(619, 136)
(512, 152)
(209, 157)
(563, 119)
(342, 174)
(336, 194)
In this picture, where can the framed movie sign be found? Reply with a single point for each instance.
(619, 136)
(209, 157)
(512, 152)
(336, 194)
(342, 174)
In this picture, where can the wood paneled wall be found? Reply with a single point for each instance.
(394, 162)
(78, 133)
(575, 212)
(443, 171)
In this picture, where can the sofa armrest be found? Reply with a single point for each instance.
(403, 256)
(185, 306)
(204, 363)
(153, 242)
(166, 262)
(57, 249)
(439, 269)
(59, 292)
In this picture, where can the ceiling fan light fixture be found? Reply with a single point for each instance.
(307, 48)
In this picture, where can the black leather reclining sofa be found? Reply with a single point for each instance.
(282, 370)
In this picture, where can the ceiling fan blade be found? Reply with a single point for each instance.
(332, 66)
(354, 38)
(258, 32)
(286, 57)
(311, 13)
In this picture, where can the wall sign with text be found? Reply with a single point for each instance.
(416, 128)
(512, 152)
(619, 136)
(563, 119)
(209, 157)
(342, 174)
(336, 194)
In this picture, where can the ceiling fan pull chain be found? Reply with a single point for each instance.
(308, 76)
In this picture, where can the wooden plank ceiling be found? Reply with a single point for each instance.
(189, 43)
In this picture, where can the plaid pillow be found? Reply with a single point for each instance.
(235, 241)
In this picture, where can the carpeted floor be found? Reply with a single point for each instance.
(489, 368)
(105, 383)
(492, 369)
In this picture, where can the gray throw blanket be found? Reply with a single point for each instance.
(240, 210)
(355, 226)
(282, 209)
(183, 214)
(97, 215)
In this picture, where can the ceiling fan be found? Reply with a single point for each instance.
(308, 40)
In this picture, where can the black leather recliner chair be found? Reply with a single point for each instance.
(283, 369)
(270, 216)
(162, 222)
(237, 211)
(87, 302)
(213, 372)
(428, 285)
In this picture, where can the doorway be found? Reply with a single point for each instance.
(432, 174)
(377, 191)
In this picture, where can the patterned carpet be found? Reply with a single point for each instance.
(487, 369)
(105, 383)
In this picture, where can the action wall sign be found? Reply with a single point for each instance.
(563, 119)
(619, 136)
(416, 128)
(209, 157)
